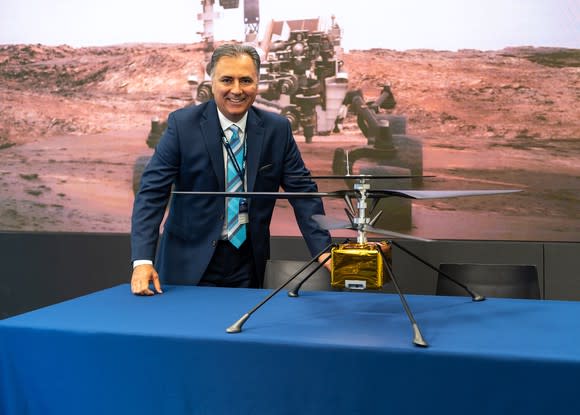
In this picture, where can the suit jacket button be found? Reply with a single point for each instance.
(213, 243)
(222, 217)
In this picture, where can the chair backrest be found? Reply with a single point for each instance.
(278, 271)
(491, 280)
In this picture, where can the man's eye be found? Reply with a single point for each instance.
(226, 81)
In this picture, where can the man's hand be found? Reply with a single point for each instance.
(141, 277)
(385, 246)
(327, 264)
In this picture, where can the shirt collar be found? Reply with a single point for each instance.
(225, 123)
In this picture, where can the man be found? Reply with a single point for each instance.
(196, 153)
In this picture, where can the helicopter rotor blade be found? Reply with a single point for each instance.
(361, 176)
(343, 194)
(271, 195)
(434, 194)
(395, 235)
(328, 223)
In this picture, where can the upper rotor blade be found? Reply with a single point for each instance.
(410, 194)
(274, 195)
(434, 194)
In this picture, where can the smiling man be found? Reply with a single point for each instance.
(225, 144)
(234, 84)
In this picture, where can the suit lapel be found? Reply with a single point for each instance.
(211, 132)
(255, 141)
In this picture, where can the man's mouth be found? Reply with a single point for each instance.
(238, 100)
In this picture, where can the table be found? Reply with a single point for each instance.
(324, 352)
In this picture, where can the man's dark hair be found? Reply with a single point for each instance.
(233, 50)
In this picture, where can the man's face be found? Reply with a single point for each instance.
(234, 85)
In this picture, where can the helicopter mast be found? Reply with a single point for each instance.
(362, 220)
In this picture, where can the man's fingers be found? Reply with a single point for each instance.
(156, 283)
(139, 288)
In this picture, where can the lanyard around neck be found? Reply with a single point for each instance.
(239, 170)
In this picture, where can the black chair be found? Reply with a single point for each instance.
(490, 280)
(278, 271)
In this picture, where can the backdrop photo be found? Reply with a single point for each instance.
(476, 95)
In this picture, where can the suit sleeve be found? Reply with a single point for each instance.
(316, 238)
(151, 200)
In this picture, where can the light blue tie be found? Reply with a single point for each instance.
(236, 230)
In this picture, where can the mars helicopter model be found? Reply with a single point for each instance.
(360, 265)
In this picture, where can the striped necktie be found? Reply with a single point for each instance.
(236, 230)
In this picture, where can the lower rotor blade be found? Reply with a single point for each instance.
(362, 176)
(327, 222)
(395, 234)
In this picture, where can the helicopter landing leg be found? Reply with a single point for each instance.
(474, 296)
(417, 336)
(237, 326)
(294, 291)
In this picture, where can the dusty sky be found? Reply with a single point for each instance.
(400, 25)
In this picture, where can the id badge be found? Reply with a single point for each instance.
(243, 216)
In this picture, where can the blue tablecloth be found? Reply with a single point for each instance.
(322, 353)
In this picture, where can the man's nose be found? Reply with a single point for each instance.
(236, 87)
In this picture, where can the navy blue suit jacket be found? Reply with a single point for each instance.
(189, 156)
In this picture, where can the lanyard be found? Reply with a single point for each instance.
(240, 171)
